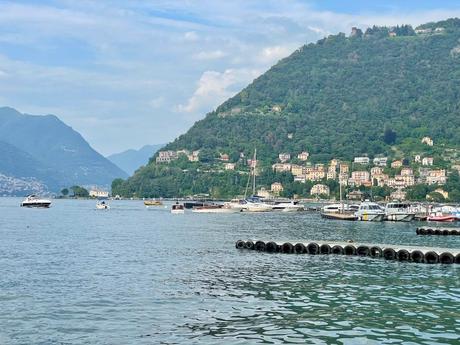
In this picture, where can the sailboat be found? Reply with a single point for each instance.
(254, 203)
(340, 211)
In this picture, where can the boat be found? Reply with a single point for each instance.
(287, 206)
(153, 203)
(102, 206)
(370, 211)
(35, 201)
(238, 204)
(177, 208)
(399, 212)
(339, 216)
(441, 218)
(339, 211)
(254, 203)
(216, 209)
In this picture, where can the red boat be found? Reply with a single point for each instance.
(448, 218)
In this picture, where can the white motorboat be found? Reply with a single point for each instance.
(255, 204)
(399, 212)
(237, 204)
(339, 208)
(370, 211)
(35, 201)
(288, 206)
(102, 206)
(177, 208)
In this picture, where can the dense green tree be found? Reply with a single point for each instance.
(65, 191)
(79, 192)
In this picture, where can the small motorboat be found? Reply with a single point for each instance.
(441, 218)
(102, 206)
(149, 203)
(35, 201)
(177, 208)
(288, 206)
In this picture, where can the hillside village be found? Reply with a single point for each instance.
(361, 173)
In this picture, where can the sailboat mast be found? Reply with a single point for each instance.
(254, 172)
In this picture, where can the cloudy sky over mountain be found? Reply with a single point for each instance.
(129, 73)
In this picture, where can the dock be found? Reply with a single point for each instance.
(428, 255)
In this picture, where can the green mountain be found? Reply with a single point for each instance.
(44, 149)
(372, 93)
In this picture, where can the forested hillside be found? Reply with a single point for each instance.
(371, 93)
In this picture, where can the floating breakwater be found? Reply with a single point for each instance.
(427, 230)
(388, 252)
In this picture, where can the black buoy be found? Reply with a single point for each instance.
(431, 258)
(389, 254)
(437, 232)
(417, 256)
(403, 255)
(299, 248)
(417, 230)
(325, 249)
(249, 245)
(260, 246)
(423, 231)
(287, 248)
(375, 252)
(446, 258)
(338, 250)
(455, 232)
(363, 251)
(312, 248)
(457, 259)
(430, 231)
(349, 250)
(271, 247)
(239, 244)
(445, 232)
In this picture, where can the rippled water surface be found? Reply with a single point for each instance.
(74, 275)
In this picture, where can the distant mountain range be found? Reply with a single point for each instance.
(41, 153)
(131, 160)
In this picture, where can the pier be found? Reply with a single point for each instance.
(429, 255)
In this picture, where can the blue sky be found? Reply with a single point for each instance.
(129, 73)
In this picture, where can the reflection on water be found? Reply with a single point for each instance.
(72, 274)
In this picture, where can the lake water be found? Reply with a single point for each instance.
(74, 275)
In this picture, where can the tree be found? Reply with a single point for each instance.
(79, 192)
(65, 191)
(389, 136)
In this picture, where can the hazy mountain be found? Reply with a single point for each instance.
(45, 148)
(373, 92)
(131, 160)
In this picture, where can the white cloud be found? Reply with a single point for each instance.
(215, 87)
(273, 54)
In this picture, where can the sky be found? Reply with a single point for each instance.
(125, 73)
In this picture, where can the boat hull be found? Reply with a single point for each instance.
(371, 217)
(338, 216)
(400, 217)
(442, 219)
(36, 204)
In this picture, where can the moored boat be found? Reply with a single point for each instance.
(152, 203)
(216, 209)
(441, 218)
(287, 206)
(370, 211)
(35, 201)
(338, 216)
(399, 212)
(177, 208)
